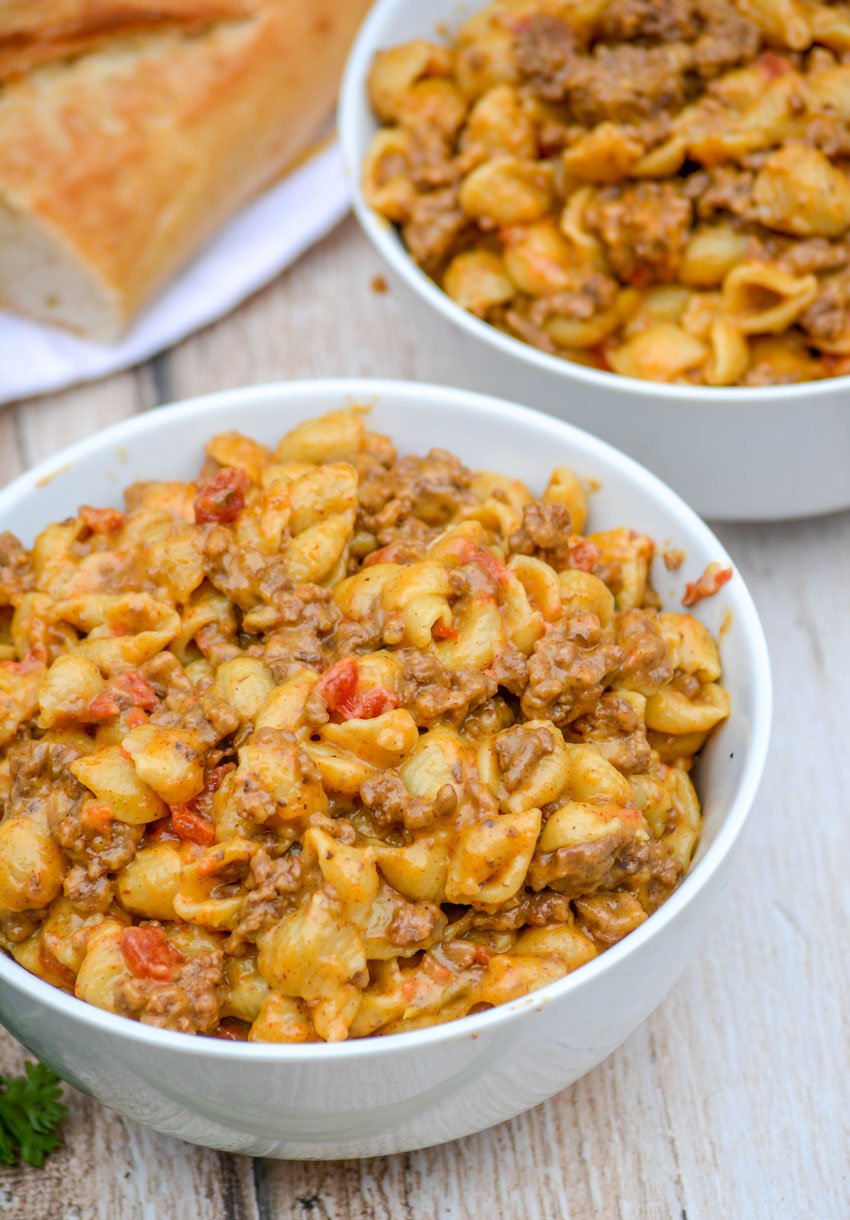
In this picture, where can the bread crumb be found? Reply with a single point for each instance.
(379, 285)
(673, 560)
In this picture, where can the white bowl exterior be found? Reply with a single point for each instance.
(733, 454)
(391, 1094)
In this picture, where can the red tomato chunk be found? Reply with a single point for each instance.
(339, 688)
(101, 520)
(188, 824)
(149, 955)
(713, 578)
(222, 499)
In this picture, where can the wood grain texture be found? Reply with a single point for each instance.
(732, 1101)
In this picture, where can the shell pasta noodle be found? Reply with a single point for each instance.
(331, 742)
(657, 188)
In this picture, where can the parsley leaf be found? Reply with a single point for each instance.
(30, 1114)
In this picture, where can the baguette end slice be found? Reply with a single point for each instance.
(42, 278)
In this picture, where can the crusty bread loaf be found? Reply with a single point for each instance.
(130, 130)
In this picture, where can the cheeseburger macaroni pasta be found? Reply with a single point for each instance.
(331, 743)
(656, 187)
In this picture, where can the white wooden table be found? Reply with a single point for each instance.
(733, 1101)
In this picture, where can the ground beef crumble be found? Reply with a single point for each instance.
(568, 670)
(189, 1003)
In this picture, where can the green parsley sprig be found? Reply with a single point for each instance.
(30, 1114)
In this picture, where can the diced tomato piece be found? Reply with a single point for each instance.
(149, 955)
(129, 689)
(203, 802)
(599, 356)
(584, 555)
(339, 688)
(101, 520)
(639, 278)
(232, 1030)
(30, 661)
(222, 499)
(193, 821)
(103, 706)
(443, 631)
(136, 718)
(375, 702)
(187, 823)
(488, 563)
(141, 693)
(773, 65)
(97, 816)
(713, 578)
(379, 556)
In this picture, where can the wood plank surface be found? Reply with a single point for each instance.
(732, 1101)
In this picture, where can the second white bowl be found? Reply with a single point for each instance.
(733, 453)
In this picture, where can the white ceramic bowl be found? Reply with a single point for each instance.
(384, 1095)
(736, 453)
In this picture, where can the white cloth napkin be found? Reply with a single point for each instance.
(265, 237)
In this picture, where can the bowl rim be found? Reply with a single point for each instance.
(384, 236)
(416, 396)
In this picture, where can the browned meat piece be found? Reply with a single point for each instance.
(430, 691)
(815, 254)
(646, 665)
(519, 750)
(578, 870)
(544, 533)
(413, 923)
(644, 867)
(537, 910)
(825, 320)
(625, 83)
(644, 227)
(41, 779)
(16, 926)
(664, 20)
(663, 874)
(272, 886)
(688, 685)
(15, 569)
(90, 895)
(568, 670)
(98, 851)
(392, 805)
(435, 229)
(727, 40)
(607, 918)
(615, 727)
(509, 670)
(308, 617)
(493, 714)
(198, 709)
(436, 486)
(546, 54)
(405, 506)
(724, 189)
(189, 1003)
(765, 372)
(593, 294)
(830, 134)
